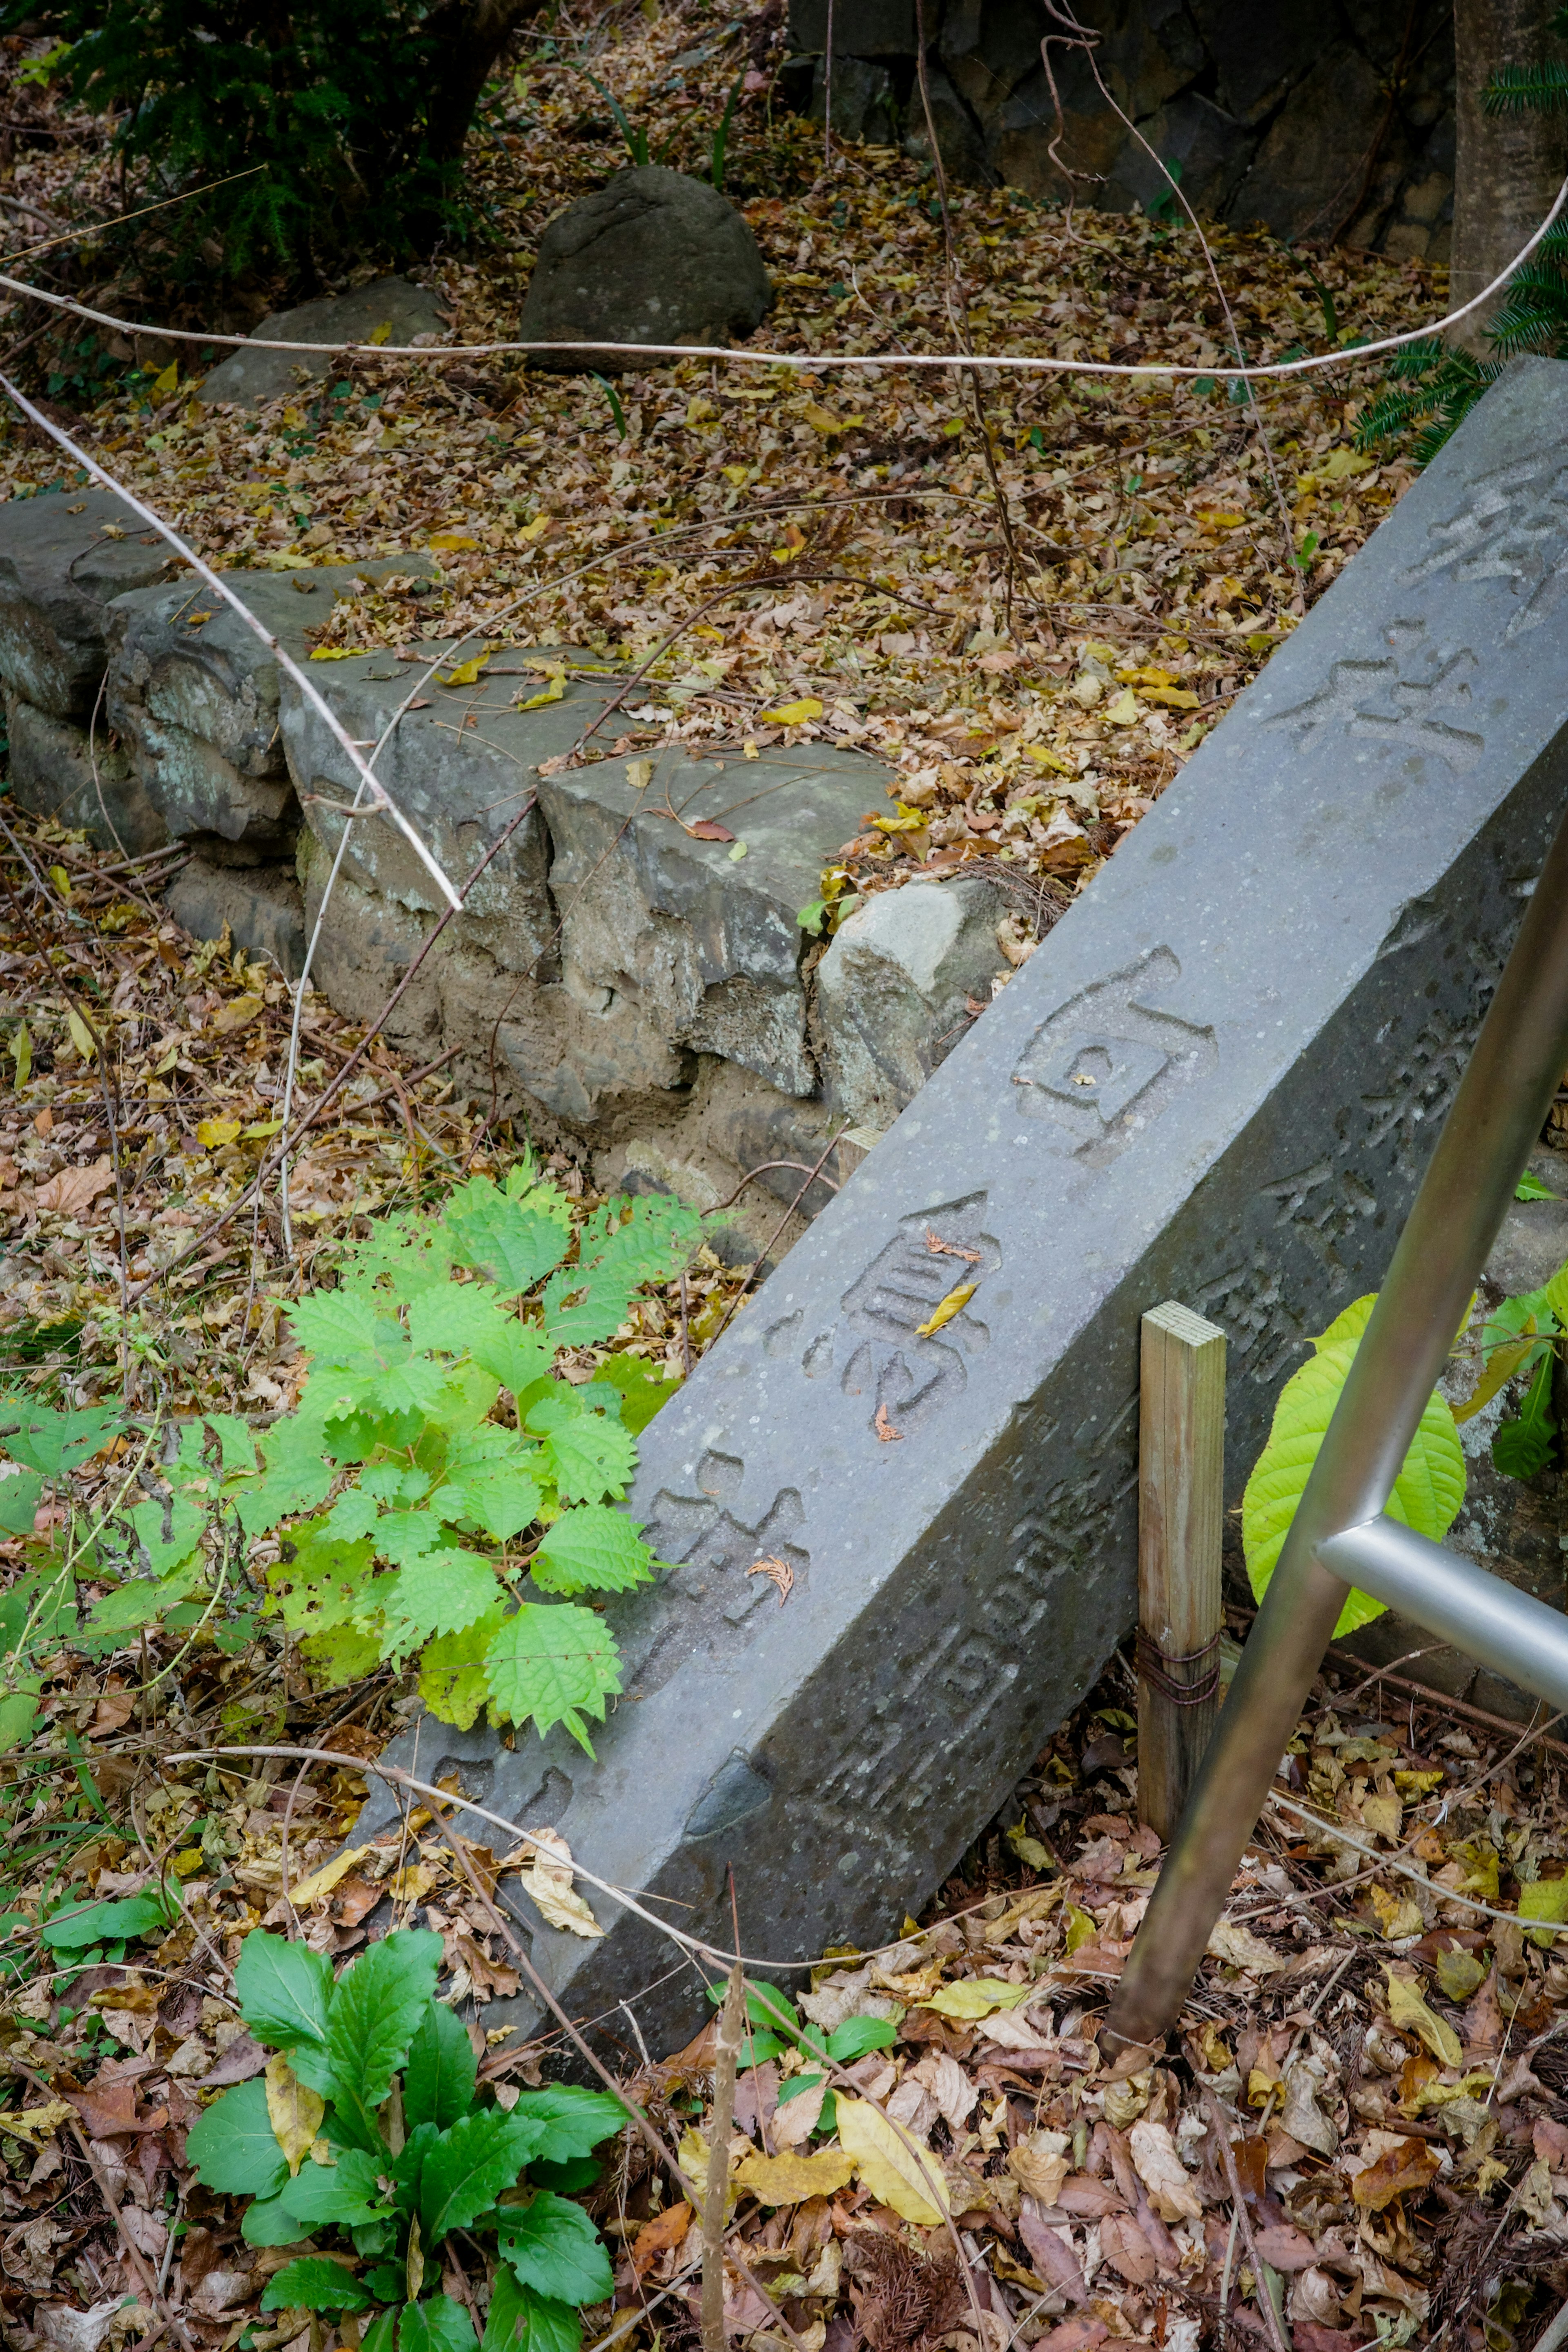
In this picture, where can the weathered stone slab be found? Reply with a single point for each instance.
(1218, 1079)
(62, 561)
(387, 310)
(52, 771)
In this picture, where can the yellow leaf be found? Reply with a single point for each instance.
(236, 1012)
(322, 1882)
(640, 774)
(977, 1997)
(749, 749)
(534, 530)
(897, 2171)
(1174, 698)
(1053, 759)
(793, 714)
(164, 384)
(1122, 708)
(39, 2123)
(1544, 1898)
(212, 1134)
(1420, 1784)
(260, 1129)
(546, 1876)
(1214, 519)
(187, 1864)
(1501, 1366)
(467, 673)
(61, 881)
(553, 692)
(294, 2112)
(790, 2180)
(823, 419)
(908, 820)
(337, 653)
(451, 540)
(1407, 2008)
(294, 418)
(81, 1036)
(22, 1055)
(953, 1304)
(736, 474)
(412, 1883)
(382, 335)
(1234, 1943)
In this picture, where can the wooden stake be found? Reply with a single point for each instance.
(1180, 1502)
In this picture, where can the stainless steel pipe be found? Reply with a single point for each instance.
(1497, 1115)
(1493, 1623)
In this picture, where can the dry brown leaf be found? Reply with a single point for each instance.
(656, 2237)
(1162, 2173)
(1412, 2165)
(71, 1190)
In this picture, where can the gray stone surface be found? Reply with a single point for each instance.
(62, 559)
(653, 257)
(263, 907)
(51, 770)
(1282, 115)
(896, 987)
(409, 313)
(1270, 991)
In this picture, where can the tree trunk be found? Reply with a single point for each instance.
(473, 35)
(1509, 167)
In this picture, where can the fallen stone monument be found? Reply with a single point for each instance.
(387, 310)
(653, 257)
(1216, 1080)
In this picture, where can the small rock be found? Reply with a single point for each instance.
(895, 988)
(249, 376)
(654, 257)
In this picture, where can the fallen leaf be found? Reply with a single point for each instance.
(640, 774)
(953, 1304)
(1459, 1975)
(1407, 2008)
(546, 1877)
(884, 1428)
(939, 1248)
(66, 2329)
(1302, 2115)
(791, 2179)
(553, 692)
(39, 2123)
(235, 1015)
(293, 2111)
(977, 1997)
(467, 673)
(1053, 2258)
(705, 829)
(1040, 2168)
(1127, 2250)
(1240, 1949)
(338, 653)
(896, 2174)
(212, 1134)
(656, 2237)
(793, 714)
(451, 541)
(949, 2085)
(71, 1190)
(778, 1572)
(1285, 2248)
(322, 1882)
(1413, 2164)
(1162, 2173)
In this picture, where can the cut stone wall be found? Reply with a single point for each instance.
(640, 993)
(1315, 118)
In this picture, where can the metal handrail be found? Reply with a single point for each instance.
(1340, 1535)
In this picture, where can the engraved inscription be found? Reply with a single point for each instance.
(878, 1347)
(1416, 699)
(1108, 1061)
(712, 1543)
(1513, 526)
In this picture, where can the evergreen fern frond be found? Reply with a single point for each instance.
(1512, 90)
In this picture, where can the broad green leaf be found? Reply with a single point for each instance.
(1530, 1188)
(73, 1929)
(856, 2035)
(619, 1249)
(439, 2078)
(265, 2223)
(554, 1665)
(1500, 1367)
(765, 2005)
(521, 2321)
(233, 2146)
(499, 1496)
(507, 2325)
(284, 1992)
(1521, 1447)
(641, 1396)
(1545, 1899)
(19, 1498)
(441, 1592)
(353, 1516)
(437, 2325)
(19, 1716)
(555, 2249)
(457, 1319)
(141, 1600)
(345, 1653)
(380, 2336)
(169, 1532)
(315, 2283)
(797, 2086)
(574, 2121)
(589, 1455)
(1427, 1495)
(342, 1331)
(515, 1357)
(343, 2192)
(515, 1245)
(55, 1443)
(1556, 1294)
(452, 1678)
(321, 1580)
(295, 1477)
(407, 1536)
(468, 2167)
(591, 1548)
(376, 2010)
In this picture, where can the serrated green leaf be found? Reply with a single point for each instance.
(233, 2145)
(619, 1248)
(342, 1331)
(555, 2249)
(295, 1477)
(591, 1548)
(552, 1665)
(641, 1396)
(315, 2283)
(521, 2321)
(377, 2009)
(452, 1680)
(168, 1532)
(343, 2192)
(404, 1536)
(1530, 1188)
(440, 1591)
(574, 2121)
(353, 1516)
(1427, 1493)
(285, 1993)
(589, 1455)
(470, 2164)
(55, 1443)
(323, 1579)
(19, 1498)
(457, 1317)
(442, 2070)
(515, 1357)
(498, 1496)
(346, 1654)
(437, 2325)
(514, 1245)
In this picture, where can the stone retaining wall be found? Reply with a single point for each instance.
(637, 992)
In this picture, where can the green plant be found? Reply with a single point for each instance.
(781, 2030)
(719, 147)
(440, 1491)
(371, 2122)
(356, 113)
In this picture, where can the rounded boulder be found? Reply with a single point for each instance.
(653, 257)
